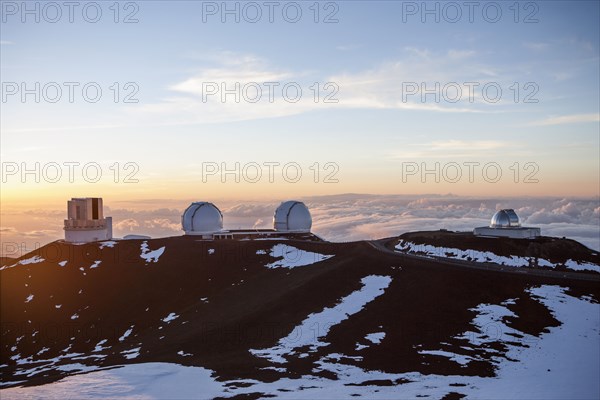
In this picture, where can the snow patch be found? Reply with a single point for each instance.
(581, 266)
(31, 260)
(151, 255)
(170, 317)
(458, 358)
(132, 381)
(43, 350)
(132, 353)
(376, 337)
(306, 335)
(108, 243)
(99, 345)
(126, 334)
(293, 257)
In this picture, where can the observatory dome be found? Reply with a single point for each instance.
(507, 218)
(201, 217)
(292, 216)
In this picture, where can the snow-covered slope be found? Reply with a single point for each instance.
(489, 256)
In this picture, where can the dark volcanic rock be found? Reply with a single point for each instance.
(208, 303)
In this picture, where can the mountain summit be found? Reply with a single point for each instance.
(294, 318)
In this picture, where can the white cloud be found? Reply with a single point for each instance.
(163, 224)
(249, 209)
(460, 54)
(41, 233)
(348, 47)
(452, 149)
(126, 225)
(251, 71)
(193, 99)
(187, 101)
(536, 46)
(383, 85)
(475, 145)
(152, 221)
(568, 119)
(236, 87)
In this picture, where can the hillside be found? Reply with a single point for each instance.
(287, 318)
(559, 254)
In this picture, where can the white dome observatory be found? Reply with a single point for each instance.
(292, 216)
(506, 223)
(201, 218)
(506, 218)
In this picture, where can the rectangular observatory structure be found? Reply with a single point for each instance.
(86, 222)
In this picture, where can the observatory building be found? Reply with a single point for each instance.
(203, 219)
(85, 221)
(292, 216)
(506, 223)
(291, 219)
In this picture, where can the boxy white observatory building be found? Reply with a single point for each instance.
(86, 222)
(506, 223)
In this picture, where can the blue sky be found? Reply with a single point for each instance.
(370, 53)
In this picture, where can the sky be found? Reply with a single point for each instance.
(154, 104)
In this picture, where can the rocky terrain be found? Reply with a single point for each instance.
(187, 318)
